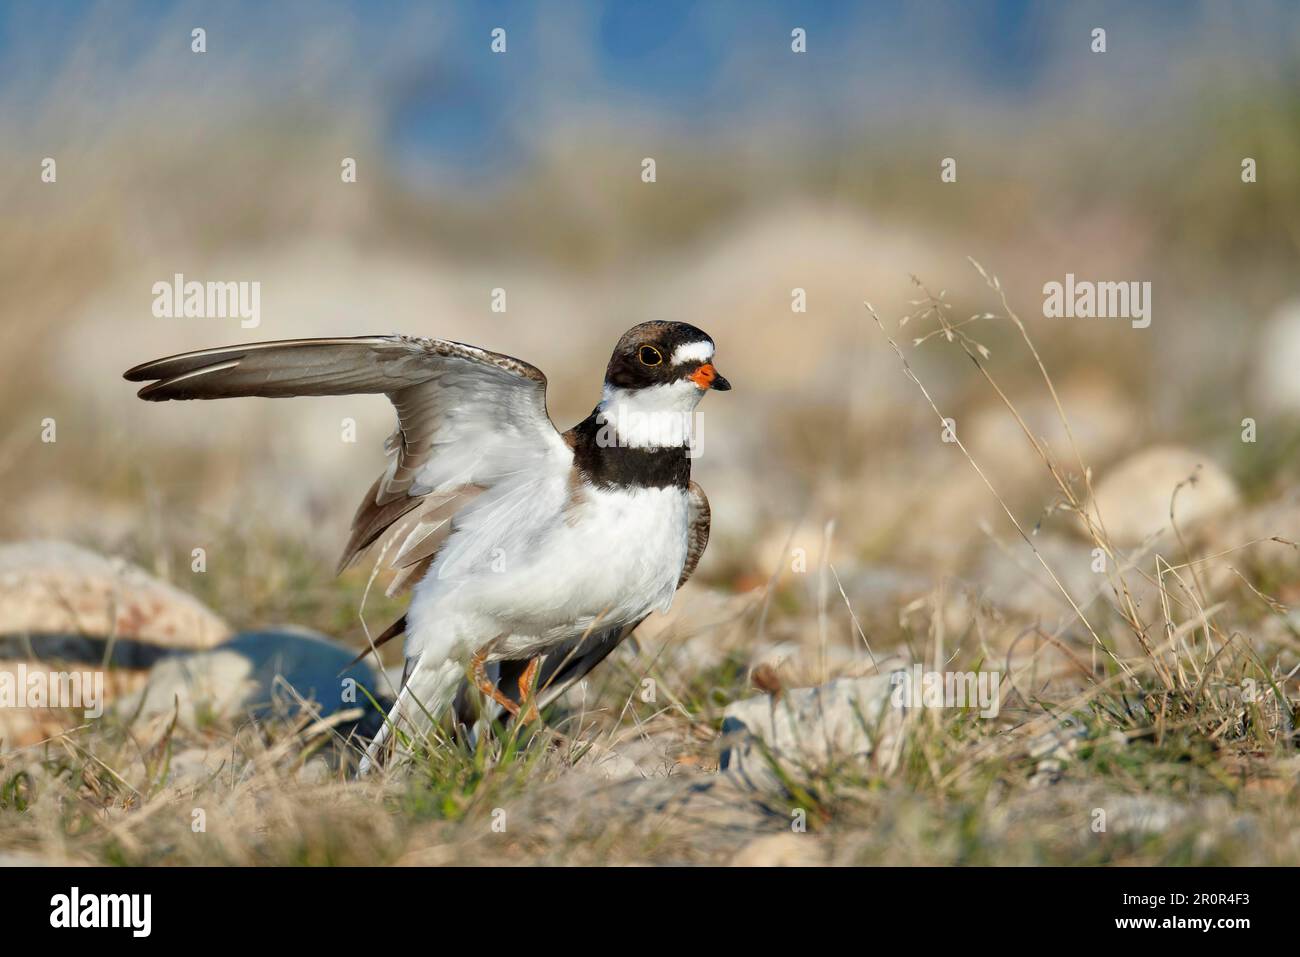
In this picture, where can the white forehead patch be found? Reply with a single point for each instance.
(693, 352)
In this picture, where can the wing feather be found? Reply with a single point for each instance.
(466, 417)
(697, 532)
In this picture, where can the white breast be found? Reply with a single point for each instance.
(609, 557)
(627, 548)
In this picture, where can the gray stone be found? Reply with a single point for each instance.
(608, 764)
(807, 729)
(193, 767)
(1012, 577)
(1053, 748)
(257, 674)
(1142, 813)
(22, 859)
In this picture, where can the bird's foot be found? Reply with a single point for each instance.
(478, 674)
(527, 694)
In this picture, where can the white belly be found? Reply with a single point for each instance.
(608, 559)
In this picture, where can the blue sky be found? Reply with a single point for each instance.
(683, 66)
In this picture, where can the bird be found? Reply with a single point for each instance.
(530, 554)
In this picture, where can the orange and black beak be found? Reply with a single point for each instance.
(706, 377)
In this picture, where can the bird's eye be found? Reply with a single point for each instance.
(650, 356)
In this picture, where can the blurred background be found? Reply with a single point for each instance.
(522, 171)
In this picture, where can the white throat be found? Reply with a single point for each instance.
(660, 416)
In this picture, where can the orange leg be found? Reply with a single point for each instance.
(478, 674)
(526, 689)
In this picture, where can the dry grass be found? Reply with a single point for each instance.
(1158, 701)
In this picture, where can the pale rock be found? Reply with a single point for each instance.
(631, 759)
(210, 686)
(1275, 384)
(781, 850)
(53, 587)
(1133, 497)
(317, 771)
(807, 729)
(1142, 813)
(613, 766)
(63, 607)
(194, 767)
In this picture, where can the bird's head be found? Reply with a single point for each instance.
(660, 370)
(673, 356)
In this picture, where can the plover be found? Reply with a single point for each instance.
(534, 552)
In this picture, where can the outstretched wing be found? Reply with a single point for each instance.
(571, 661)
(466, 418)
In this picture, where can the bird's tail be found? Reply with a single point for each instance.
(428, 691)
